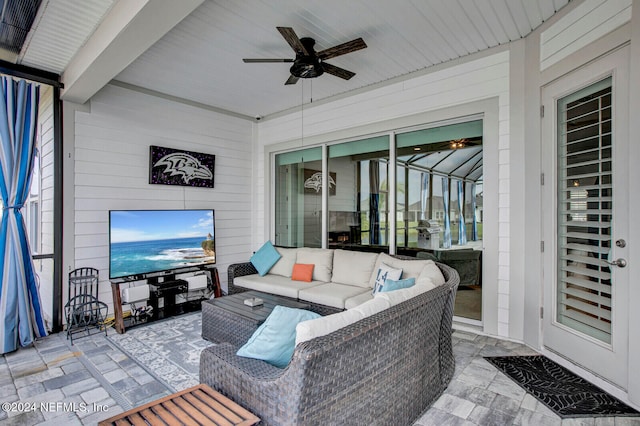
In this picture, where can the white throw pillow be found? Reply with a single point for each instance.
(284, 265)
(321, 258)
(353, 267)
(385, 272)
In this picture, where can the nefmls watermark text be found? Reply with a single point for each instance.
(52, 407)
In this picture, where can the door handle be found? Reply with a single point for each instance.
(620, 263)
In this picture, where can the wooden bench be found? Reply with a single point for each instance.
(198, 405)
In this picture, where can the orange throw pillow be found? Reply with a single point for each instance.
(302, 272)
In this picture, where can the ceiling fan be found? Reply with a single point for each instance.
(309, 63)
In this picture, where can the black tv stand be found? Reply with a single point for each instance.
(162, 298)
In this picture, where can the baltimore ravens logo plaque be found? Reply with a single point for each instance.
(170, 166)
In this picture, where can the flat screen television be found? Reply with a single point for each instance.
(143, 242)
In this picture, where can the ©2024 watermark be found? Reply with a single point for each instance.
(53, 407)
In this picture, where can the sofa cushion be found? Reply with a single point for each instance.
(330, 294)
(373, 306)
(399, 296)
(321, 258)
(393, 285)
(311, 329)
(354, 301)
(284, 265)
(353, 267)
(410, 268)
(431, 272)
(274, 340)
(274, 284)
(302, 272)
(421, 270)
(264, 259)
(322, 326)
(384, 273)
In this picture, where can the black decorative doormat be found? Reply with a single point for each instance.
(559, 389)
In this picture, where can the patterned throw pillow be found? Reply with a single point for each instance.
(385, 272)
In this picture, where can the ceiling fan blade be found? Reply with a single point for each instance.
(250, 61)
(293, 40)
(337, 71)
(341, 49)
(291, 80)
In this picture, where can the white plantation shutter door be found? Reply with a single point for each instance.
(584, 286)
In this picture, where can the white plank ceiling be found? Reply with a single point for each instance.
(59, 30)
(200, 59)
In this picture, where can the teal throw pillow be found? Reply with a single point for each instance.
(264, 259)
(274, 341)
(391, 285)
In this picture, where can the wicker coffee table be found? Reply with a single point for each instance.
(228, 319)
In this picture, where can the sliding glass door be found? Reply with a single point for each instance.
(438, 199)
(298, 202)
(358, 204)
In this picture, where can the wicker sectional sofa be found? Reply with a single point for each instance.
(386, 368)
(342, 279)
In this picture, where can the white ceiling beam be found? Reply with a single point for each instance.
(128, 30)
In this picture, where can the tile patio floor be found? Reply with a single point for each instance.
(93, 380)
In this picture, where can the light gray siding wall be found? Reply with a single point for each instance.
(111, 161)
(586, 23)
(44, 268)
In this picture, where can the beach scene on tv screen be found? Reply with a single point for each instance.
(151, 241)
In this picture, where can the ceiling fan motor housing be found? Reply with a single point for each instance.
(307, 66)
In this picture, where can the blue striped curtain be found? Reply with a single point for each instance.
(20, 308)
(424, 195)
(374, 202)
(446, 241)
(474, 226)
(462, 229)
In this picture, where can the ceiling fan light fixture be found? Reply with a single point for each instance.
(458, 143)
(306, 70)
